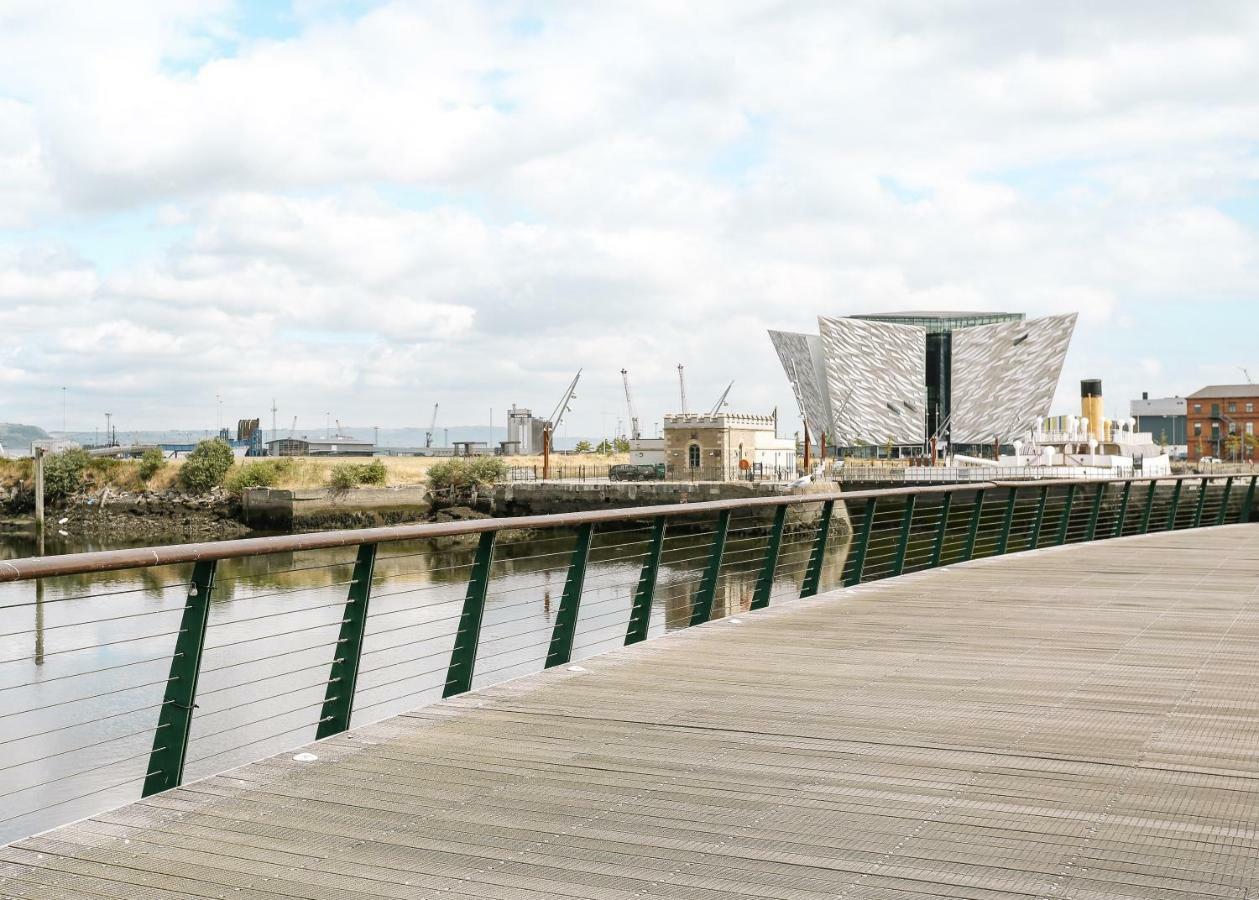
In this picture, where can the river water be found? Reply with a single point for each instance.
(84, 660)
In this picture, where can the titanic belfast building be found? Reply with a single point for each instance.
(969, 379)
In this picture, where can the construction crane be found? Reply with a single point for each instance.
(1249, 380)
(721, 401)
(682, 387)
(552, 424)
(629, 403)
(432, 427)
(293, 430)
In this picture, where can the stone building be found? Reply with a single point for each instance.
(725, 447)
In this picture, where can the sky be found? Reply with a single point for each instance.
(365, 208)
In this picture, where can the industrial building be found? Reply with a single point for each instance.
(899, 380)
(340, 445)
(725, 447)
(1165, 418)
(1219, 411)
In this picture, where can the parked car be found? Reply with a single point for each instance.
(633, 472)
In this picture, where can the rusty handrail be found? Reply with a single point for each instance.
(171, 554)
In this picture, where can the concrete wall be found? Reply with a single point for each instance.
(267, 508)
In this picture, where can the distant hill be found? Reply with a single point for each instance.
(17, 438)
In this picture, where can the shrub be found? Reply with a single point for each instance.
(63, 473)
(373, 473)
(348, 475)
(151, 462)
(463, 474)
(260, 473)
(206, 466)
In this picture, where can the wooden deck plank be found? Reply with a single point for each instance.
(1078, 722)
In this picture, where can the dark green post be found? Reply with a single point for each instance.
(1201, 504)
(1149, 506)
(968, 551)
(1003, 541)
(941, 528)
(1171, 512)
(1228, 489)
(907, 521)
(170, 740)
(1034, 538)
(1095, 512)
(640, 613)
(463, 656)
(765, 583)
(863, 543)
(561, 650)
(708, 585)
(813, 574)
(1123, 509)
(339, 698)
(1065, 524)
(1248, 506)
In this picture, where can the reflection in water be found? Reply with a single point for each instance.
(77, 714)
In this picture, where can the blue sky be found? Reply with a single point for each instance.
(372, 207)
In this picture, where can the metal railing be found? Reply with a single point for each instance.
(103, 687)
(939, 474)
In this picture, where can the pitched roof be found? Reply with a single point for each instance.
(1226, 390)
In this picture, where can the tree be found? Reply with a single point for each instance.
(1233, 444)
(1251, 445)
(584, 447)
(604, 447)
(621, 444)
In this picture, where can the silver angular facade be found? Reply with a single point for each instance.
(874, 376)
(901, 378)
(1004, 377)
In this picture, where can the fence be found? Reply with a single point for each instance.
(124, 672)
(940, 474)
(597, 472)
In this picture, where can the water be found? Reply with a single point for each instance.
(84, 659)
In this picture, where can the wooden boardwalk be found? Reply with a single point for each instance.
(1072, 723)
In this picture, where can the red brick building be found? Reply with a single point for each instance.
(1218, 411)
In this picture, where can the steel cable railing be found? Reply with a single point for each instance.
(285, 639)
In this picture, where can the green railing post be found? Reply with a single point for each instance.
(968, 550)
(943, 526)
(640, 613)
(813, 573)
(708, 584)
(907, 521)
(1065, 524)
(1095, 512)
(1149, 506)
(769, 568)
(1248, 505)
(1034, 537)
(1123, 509)
(1171, 512)
(463, 656)
(339, 698)
(1003, 540)
(1201, 504)
(1228, 489)
(170, 740)
(863, 543)
(561, 649)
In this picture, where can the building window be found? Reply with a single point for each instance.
(693, 454)
(1250, 427)
(1197, 428)
(1215, 410)
(1250, 407)
(1197, 407)
(1232, 407)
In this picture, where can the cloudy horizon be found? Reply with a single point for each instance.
(366, 208)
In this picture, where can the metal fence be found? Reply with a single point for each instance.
(604, 472)
(124, 672)
(939, 474)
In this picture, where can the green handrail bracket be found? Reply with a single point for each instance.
(863, 544)
(769, 568)
(907, 522)
(640, 613)
(339, 698)
(1033, 537)
(1095, 512)
(1175, 506)
(170, 740)
(463, 656)
(703, 609)
(972, 532)
(813, 572)
(1065, 524)
(941, 528)
(1248, 506)
(1123, 509)
(1228, 489)
(1003, 540)
(1200, 505)
(1149, 506)
(562, 635)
